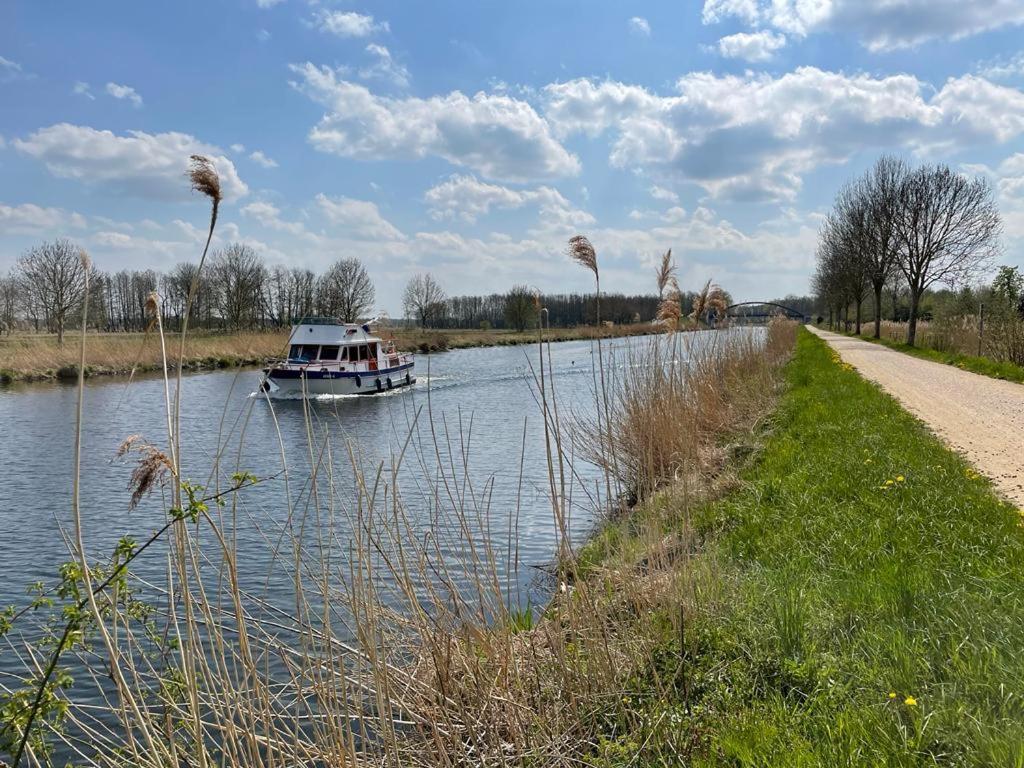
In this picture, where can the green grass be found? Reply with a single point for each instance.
(986, 366)
(841, 615)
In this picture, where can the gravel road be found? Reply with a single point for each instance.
(981, 417)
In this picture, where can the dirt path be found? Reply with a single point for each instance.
(981, 417)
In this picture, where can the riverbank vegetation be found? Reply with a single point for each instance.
(39, 357)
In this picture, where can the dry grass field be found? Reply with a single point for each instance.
(34, 356)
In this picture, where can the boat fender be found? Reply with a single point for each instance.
(390, 385)
(379, 386)
(408, 379)
(359, 382)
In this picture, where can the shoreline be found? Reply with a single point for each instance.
(133, 353)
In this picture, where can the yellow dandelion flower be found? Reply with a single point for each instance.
(910, 701)
(892, 694)
(900, 478)
(888, 482)
(867, 461)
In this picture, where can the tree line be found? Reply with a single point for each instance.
(237, 290)
(902, 228)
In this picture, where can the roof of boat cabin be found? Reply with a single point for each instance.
(328, 330)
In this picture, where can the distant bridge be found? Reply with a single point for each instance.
(762, 312)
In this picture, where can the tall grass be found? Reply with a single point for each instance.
(1000, 337)
(676, 399)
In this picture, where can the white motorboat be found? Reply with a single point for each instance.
(329, 357)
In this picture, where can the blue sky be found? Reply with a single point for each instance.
(472, 139)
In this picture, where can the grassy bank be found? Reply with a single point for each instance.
(35, 357)
(856, 602)
(986, 366)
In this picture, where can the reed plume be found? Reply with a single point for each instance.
(710, 298)
(582, 252)
(670, 311)
(204, 179)
(152, 468)
(665, 273)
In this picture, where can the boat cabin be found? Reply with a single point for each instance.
(318, 341)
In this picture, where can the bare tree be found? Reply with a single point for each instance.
(948, 230)
(424, 299)
(8, 303)
(521, 311)
(882, 187)
(346, 291)
(239, 275)
(52, 278)
(845, 246)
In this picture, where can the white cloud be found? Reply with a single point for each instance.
(494, 134)
(751, 46)
(359, 218)
(384, 67)
(269, 216)
(124, 92)
(12, 70)
(268, 3)
(718, 10)
(660, 193)
(638, 25)
(347, 23)
(982, 106)
(261, 159)
(263, 35)
(82, 89)
(674, 215)
(466, 198)
(30, 219)
(116, 250)
(238, 148)
(139, 163)
(1003, 68)
(754, 136)
(880, 26)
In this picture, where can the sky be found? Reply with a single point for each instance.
(472, 139)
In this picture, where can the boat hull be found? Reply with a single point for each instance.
(313, 381)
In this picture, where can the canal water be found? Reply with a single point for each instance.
(473, 416)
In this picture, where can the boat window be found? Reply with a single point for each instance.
(373, 351)
(296, 351)
(344, 353)
(329, 352)
(364, 352)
